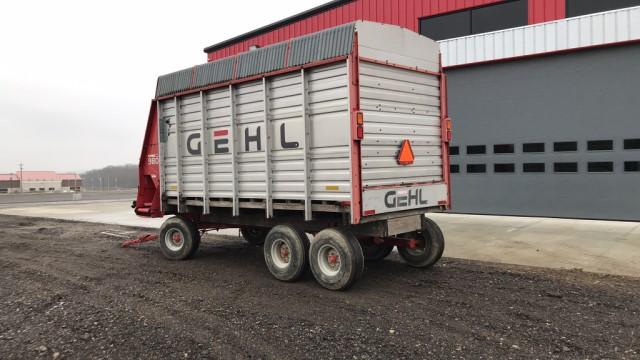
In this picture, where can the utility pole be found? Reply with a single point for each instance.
(21, 177)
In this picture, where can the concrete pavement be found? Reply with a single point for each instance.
(598, 246)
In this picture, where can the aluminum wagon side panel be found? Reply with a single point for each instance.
(258, 139)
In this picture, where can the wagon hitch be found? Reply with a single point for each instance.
(141, 239)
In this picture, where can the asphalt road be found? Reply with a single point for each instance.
(68, 290)
(9, 200)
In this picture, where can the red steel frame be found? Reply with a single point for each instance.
(445, 123)
(354, 104)
(148, 198)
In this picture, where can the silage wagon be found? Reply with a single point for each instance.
(342, 134)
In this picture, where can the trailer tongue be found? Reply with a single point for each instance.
(342, 134)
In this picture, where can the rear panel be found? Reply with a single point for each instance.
(400, 90)
(399, 105)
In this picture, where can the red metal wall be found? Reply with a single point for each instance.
(546, 10)
(399, 12)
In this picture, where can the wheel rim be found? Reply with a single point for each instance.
(280, 253)
(174, 239)
(419, 250)
(329, 260)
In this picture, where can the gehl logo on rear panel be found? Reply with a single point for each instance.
(251, 137)
(404, 198)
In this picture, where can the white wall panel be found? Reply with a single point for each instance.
(566, 34)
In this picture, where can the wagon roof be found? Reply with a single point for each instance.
(319, 46)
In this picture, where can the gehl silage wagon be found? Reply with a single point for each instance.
(342, 134)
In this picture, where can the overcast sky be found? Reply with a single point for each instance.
(77, 77)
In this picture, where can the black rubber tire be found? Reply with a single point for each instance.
(433, 248)
(298, 245)
(351, 259)
(254, 235)
(375, 252)
(190, 238)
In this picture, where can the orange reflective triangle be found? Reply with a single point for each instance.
(405, 156)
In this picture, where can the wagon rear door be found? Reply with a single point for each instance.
(400, 106)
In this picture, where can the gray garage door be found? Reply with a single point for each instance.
(553, 136)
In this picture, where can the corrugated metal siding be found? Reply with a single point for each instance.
(404, 13)
(174, 82)
(323, 45)
(546, 10)
(328, 111)
(213, 72)
(399, 104)
(584, 31)
(262, 60)
(307, 49)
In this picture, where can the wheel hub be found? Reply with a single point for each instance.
(174, 239)
(280, 253)
(333, 258)
(329, 260)
(284, 253)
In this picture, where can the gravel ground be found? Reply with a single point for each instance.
(69, 291)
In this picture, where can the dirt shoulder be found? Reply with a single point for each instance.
(68, 288)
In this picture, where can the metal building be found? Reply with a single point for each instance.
(543, 96)
(39, 181)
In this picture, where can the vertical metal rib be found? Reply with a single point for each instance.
(204, 150)
(306, 146)
(161, 142)
(178, 155)
(267, 150)
(235, 210)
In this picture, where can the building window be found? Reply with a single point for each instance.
(565, 167)
(476, 149)
(446, 26)
(454, 169)
(584, 7)
(632, 144)
(600, 166)
(563, 146)
(600, 145)
(503, 149)
(497, 17)
(476, 168)
(504, 15)
(454, 150)
(533, 148)
(504, 168)
(533, 167)
(632, 166)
